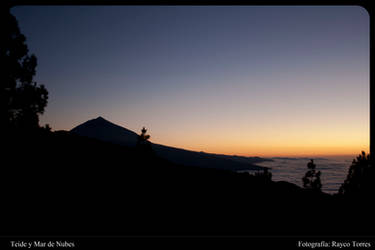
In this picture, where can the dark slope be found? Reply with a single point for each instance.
(102, 129)
(200, 159)
(59, 183)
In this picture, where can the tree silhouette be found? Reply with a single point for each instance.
(266, 176)
(143, 143)
(22, 100)
(311, 180)
(143, 137)
(360, 178)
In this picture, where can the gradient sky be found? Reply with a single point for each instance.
(246, 80)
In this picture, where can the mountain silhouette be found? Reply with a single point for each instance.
(104, 130)
(63, 183)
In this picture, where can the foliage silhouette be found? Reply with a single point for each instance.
(143, 143)
(311, 180)
(360, 178)
(47, 127)
(100, 188)
(265, 175)
(144, 194)
(22, 99)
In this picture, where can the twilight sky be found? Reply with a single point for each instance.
(246, 80)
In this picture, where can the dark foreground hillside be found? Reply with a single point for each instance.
(63, 184)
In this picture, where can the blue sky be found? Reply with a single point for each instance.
(227, 79)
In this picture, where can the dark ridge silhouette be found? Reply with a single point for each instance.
(60, 183)
(242, 159)
(94, 180)
(104, 130)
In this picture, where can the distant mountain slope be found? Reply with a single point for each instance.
(61, 183)
(200, 159)
(104, 130)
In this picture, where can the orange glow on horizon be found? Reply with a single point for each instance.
(263, 140)
(292, 151)
(265, 145)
